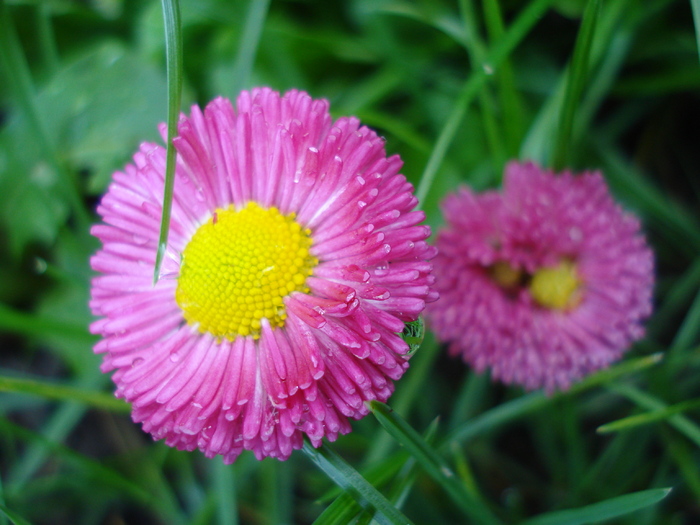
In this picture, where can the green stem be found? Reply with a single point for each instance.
(173, 52)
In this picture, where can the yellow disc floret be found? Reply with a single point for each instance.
(557, 287)
(239, 266)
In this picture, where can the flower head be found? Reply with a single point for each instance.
(293, 262)
(543, 282)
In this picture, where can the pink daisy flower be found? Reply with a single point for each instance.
(543, 282)
(293, 262)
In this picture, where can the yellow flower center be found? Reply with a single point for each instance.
(506, 276)
(239, 266)
(557, 287)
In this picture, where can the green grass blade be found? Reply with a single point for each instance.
(56, 429)
(604, 510)
(524, 405)
(55, 391)
(515, 34)
(408, 391)
(576, 81)
(173, 52)
(511, 102)
(681, 423)
(354, 484)
(695, 4)
(224, 484)
(433, 464)
(654, 416)
(13, 516)
(687, 334)
(19, 80)
(248, 47)
(29, 325)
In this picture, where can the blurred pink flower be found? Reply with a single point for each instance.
(294, 259)
(543, 282)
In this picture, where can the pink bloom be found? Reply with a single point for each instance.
(543, 282)
(294, 259)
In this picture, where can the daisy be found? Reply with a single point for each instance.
(543, 282)
(294, 262)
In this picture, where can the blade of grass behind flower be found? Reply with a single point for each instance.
(408, 391)
(603, 510)
(687, 334)
(675, 300)
(400, 468)
(56, 429)
(87, 466)
(526, 404)
(13, 516)
(248, 46)
(511, 102)
(354, 484)
(431, 461)
(477, 56)
(695, 4)
(647, 418)
(645, 400)
(95, 399)
(224, 486)
(575, 82)
(173, 59)
(21, 86)
(513, 36)
(680, 227)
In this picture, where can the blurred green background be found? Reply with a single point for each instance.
(457, 88)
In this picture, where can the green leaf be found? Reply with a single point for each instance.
(63, 392)
(431, 461)
(604, 510)
(13, 516)
(354, 484)
(648, 417)
(524, 405)
(576, 80)
(173, 58)
(513, 36)
(97, 121)
(695, 4)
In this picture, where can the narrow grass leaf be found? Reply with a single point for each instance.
(695, 4)
(645, 400)
(354, 484)
(524, 405)
(19, 80)
(248, 47)
(224, 486)
(431, 461)
(54, 391)
(576, 80)
(173, 58)
(513, 36)
(647, 418)
(604, 510)
(13, 516)
(89, 468)
(511, 102)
